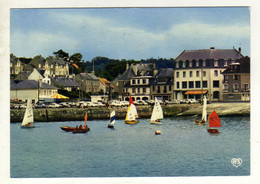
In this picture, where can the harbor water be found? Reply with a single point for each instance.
(182, 149)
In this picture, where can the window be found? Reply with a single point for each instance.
(153, 88)
(191, 84)
(197, 83)
(184, 74)
(225, 78)
(184, 85)
(133, 90)
(144, 81)
(133, 81)
(236, 77)
(197, 73)
(170, 88)
(177, 64)
(205, 84)
(226, 87)
(225, 63)
(204, 63)
(216, 94)
(204, 73)
(177, 74)
(178, 85)
(138, 81)
(246, 87)
(190, 73)
(236, 87)
(215, 84)
(183, 64)
(144, 90)
(215, 63)
(215, 73)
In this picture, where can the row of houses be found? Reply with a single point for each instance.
(41, 78)
(221, 74)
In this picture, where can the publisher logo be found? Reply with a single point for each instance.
(236, 162)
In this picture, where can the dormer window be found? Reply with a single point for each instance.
(225, 63)
(183, 64)
(177, 64)
(216, 63)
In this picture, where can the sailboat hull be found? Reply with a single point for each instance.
(83, 130)
(156, 122)
(110, 126)
(27, 126)
(131, 121)
(213, 130)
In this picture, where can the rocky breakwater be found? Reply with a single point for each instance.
(77, 114)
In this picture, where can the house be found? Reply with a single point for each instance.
(56, 66)
(36, 90)
(88, 82)
(237, 81)
(105, 85)
(135, 81)
(16, 66)
(198, 72)
(66, 83)
(39, 74)
(162, 85)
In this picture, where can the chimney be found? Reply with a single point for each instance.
(127, 66)
(40, 83)
(239, 50)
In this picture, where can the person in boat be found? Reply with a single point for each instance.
(157, 120)
(80, 126)
(203, 121)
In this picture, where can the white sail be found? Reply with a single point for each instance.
(28, 116)
(131, 113)
(157, 111)
(112, 118)
(204, 110)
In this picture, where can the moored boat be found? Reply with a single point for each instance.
(158, 132)
(28, 119)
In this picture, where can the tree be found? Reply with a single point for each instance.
(75, 58)
(60, 53)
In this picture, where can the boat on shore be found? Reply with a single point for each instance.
(112, 119)
(204, 113)
(28, 119)
(157, 113)
(214, 123)
(131, 114)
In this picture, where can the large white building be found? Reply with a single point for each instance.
(199, 71)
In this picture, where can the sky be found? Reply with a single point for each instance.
(128, 33)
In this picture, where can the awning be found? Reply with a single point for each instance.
(197, 92)
(59, 96)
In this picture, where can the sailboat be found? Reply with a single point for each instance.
(157, 113)
(214, 122)
(112, 119)
(72, 129)
(204, 112)
(81, 129)
(131, 114)
(28, 119)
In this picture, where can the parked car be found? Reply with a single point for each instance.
(65, 104)
(54, 105)
(39, 105)
(23, 106)
(192, 101)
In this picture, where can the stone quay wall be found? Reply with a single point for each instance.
(77, 114)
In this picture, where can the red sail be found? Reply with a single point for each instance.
(86, 117)
(214, 120)
(131, 101)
